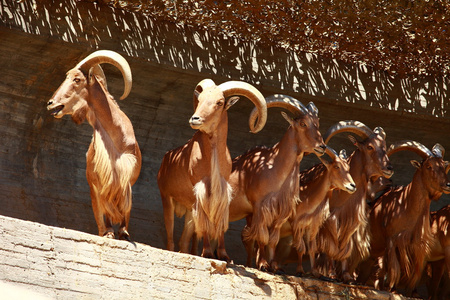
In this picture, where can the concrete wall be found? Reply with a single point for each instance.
(43, 160)
(44, 262)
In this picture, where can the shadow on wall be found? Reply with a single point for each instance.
(100, 26)
(167, 61)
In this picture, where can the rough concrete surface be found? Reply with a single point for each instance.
(45, 262)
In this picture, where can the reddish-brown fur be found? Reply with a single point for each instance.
(399, 220)
(266, 180)
(439, 257)
(344, 232)
(313, 209)
(114, 158)
(193, 178)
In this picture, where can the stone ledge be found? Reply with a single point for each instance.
(58, 263)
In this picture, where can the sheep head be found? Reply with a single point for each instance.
(305, 122)
(339, 170)
(211, 103)
(73, 95)
(372, 147)
(433, 168)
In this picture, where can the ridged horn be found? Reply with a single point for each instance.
(410, 145)
(110, 57)
(331, 153)
(240, 88)
(283, 101)
(438, 150)
(201, 86)
(355, 127)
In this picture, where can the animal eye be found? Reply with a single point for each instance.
(303, 124)
(76, 80)
(219, 103)
(370, 147)
(336, 167)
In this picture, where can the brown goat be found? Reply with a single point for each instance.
(344, 232)
(266, 180)
(113, 159)
(193, 178)
(400, 218)
(312, 211)
(439, 257)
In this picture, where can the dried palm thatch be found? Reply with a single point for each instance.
(399, 36)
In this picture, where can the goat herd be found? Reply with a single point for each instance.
(329, 212)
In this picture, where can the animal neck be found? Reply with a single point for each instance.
(287, 154)
(422, 191)
(357, 171)
(316, 187)
(416, 209)
(109, 121)
(216, 143)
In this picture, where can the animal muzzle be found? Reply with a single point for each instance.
(350, 187)
(54, 108)
(388, 171)
(320, 150)
(195, 122)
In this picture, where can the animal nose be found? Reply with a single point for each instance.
(390, 167)
(195, 118)
(50, 102)
(323, 146)
(448, 184)
(353, 185)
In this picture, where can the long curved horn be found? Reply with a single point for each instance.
(355, 127)
(438, 150)
(241, 88)
(283, 101)
(201, 86)
(410, 145)
(113, 58)
(331, 153)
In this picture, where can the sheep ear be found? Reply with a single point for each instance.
(415, 164)
(343, 154)
(353, 140)
(447, 166)
(287, 118)
(96, 74)
(231, 101)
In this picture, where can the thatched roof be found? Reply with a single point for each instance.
(399, 36)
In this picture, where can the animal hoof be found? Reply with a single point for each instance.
(264, 269)
(326, 278)
(280, 272)
(225, 259)
(299, 274)
(109, 235)
(124, 235)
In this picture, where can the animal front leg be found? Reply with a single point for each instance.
(207, 252)
(261, 262)
(221, 252)
(272, 245)
(188, 234)
(98, 213)
(312, 252)
(300, 252)
(123, 230)
(109, 229)
(346, 276)
(169, 211)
